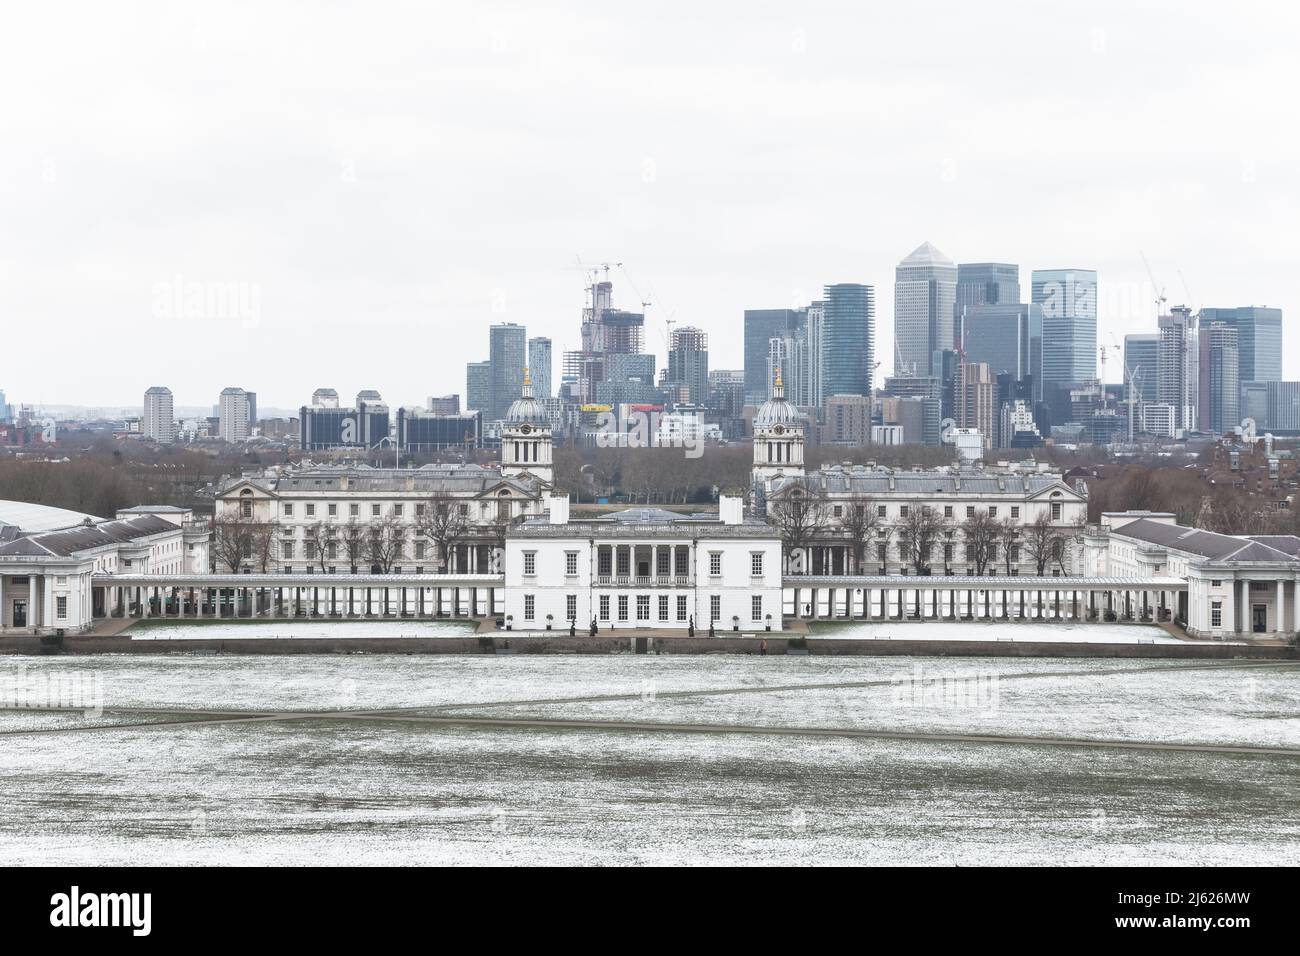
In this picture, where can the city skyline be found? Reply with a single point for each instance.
(349, 214)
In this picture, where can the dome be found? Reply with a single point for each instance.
(526, 408)
(776, 410)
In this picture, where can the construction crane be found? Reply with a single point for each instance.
(1160, 296)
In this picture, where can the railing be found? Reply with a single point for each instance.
(643, 581)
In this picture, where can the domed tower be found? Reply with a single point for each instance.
(778, 439)
(526, 443)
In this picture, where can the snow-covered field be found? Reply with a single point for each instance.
(399, 787)
(1080, 633)
(299, 629)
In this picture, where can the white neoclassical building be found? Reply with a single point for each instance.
(46, 574)
(644, 568)
(1236, 584)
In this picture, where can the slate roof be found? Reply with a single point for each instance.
(868, 481)
(429, 480)
(69, 541)
(1206, 544)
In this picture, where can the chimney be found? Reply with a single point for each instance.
(731, 509)
(343, 482)
(558, 508)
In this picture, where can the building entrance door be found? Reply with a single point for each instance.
(1259, 618)
(20, 613)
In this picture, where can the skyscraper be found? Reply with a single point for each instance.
(1069, 301)
(540, 365)
(688, 362)
(1141, 362)
(987, 283)
(159, 417)
(1008, 337)
(761, 326)
(1177, 368)
(478, 386)
(508, 356)
(925, 296)
(1220, 363)
(235, 411)
(1259, 339)
(848, 338)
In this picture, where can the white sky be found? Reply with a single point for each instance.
(380, 181)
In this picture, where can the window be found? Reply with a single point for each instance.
(605, 561)
(287, 509)
(529, 606)
(970, 511)
(604, 607)
(374, 511)
(530, 563)
(1056, 511)
(993, 511)
(622, 607)
(1216, 584)
(756, 564)
(903, 510)
(311, 510)
(643, 607)
(880, 511)
(715, 607)
(663, 607)
(332, 510)
(309, 550)
(882, 553)
(947, 511)
(1216, 614)
(419, 509)
(61, 607)
(715, 563)
(681, 607)
(756, 608)
(839, 511)
(571, 563)
(1015, 511)
(571, 607)
(397, 510)
(286, 550)
(419, 550)
(332, 550)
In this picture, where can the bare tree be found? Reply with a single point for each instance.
(261, 536)
(1008, 542)
(980, 531)
(1045, 542)
(232, 542)
(918, 531)
(445, 523)
(800, 517)
(319, 535)
(386, 540)
(354, 543)
(860, 524)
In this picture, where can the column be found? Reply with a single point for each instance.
(1281, 607)
(1243, 625)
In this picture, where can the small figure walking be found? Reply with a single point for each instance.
(762, 648)
(594, 627)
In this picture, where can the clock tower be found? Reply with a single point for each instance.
(526, 443)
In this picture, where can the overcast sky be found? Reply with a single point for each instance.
(378, 182)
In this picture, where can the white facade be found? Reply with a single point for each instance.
(1237, 585)
(296, 504)
(45, 577)
(644, 569)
